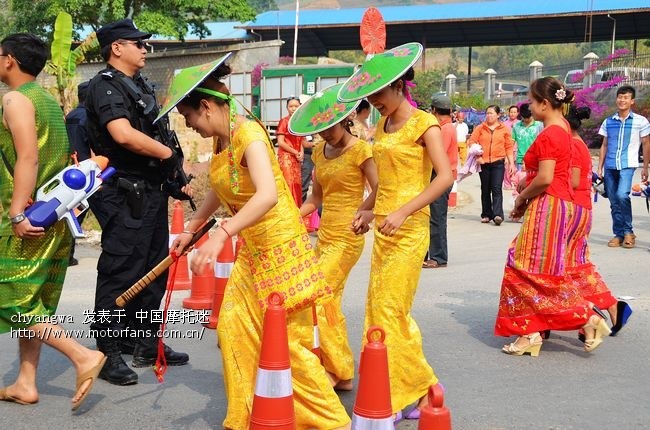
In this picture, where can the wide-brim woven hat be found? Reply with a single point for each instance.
(380, 71)
(320, 112)
(186, 81)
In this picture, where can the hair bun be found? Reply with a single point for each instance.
(583, 112)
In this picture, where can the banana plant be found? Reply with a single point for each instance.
(64, 61)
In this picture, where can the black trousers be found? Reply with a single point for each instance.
(492, 189)
(306, 169)
(131, 247)
(438, 229)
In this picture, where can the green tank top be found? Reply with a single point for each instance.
(53, 147)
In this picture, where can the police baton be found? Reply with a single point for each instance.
(160, 268)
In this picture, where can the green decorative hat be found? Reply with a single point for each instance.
(186, 81)
(320, 112)
(380, 71)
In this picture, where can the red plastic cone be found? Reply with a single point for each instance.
(238, 244)
(316, 345)
(222, 269)
(182, 279)
(435, 416)
(307, 221)
(453, 199)
(372, 407)
(273, 401)
(203, 284)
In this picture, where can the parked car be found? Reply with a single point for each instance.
(573, 78)
(510, 89)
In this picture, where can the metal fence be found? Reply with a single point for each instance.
(627, 69)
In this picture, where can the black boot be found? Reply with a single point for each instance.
(146, 353)
(127, 345)
(115, 370)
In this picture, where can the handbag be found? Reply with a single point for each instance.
(291, 269)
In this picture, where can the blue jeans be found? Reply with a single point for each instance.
(618, 184)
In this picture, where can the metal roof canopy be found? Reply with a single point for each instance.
(458, 24)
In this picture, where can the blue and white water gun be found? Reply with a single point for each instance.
(66, 194)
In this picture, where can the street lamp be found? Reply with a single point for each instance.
(613, 32)
(295, 33)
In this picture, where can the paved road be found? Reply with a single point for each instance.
(564, 388)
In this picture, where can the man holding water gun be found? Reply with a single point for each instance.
(33, 260)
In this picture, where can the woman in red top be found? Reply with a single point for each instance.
(496, 141)
(291, 152)
(536, 293)
(578, 265)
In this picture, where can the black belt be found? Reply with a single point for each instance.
(148, 185)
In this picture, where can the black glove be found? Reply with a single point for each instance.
(168, 166)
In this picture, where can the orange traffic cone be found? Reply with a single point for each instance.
(316, 345)
(453, 199)
(273, 401)
(372, 407)
(238, 244)
(182, 279)
(203, 285)
(435, 416)
(222, 270)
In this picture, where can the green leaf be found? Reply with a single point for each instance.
(62, 41)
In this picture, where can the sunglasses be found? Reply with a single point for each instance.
(10, 55)
(138, 43)
(292, 98)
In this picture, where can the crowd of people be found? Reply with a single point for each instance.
(393, 179)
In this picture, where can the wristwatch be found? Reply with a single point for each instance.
(18, 218)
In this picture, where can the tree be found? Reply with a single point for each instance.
(427, 83)
(170, 18)
(261, 6)
(64, 62)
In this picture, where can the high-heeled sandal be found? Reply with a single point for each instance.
(623, 313)
(533, 347)
(600, 328)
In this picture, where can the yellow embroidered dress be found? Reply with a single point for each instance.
(32, 270)
(404, 170)
(338, 248)
(277, 257)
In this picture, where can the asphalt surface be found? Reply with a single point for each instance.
(563, 388)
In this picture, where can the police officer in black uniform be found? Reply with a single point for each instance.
(121, 107)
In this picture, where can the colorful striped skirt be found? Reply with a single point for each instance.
(536, 293)
(578, 265)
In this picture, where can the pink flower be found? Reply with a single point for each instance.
(402, 52)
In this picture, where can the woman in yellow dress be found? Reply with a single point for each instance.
(408, 144)
(342, 164)
(245, 177)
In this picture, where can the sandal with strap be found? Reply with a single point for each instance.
(629, 241)
(90, 374)
(615, 242)
(4, 397)
(432, 264)
(533, 347)
(599, 328)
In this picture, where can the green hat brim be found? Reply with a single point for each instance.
(320, 112)
(186, 81)
(380, 71)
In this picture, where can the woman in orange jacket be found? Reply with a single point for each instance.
(496, 141)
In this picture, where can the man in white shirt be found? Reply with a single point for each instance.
(622, 134)
(461, 136)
